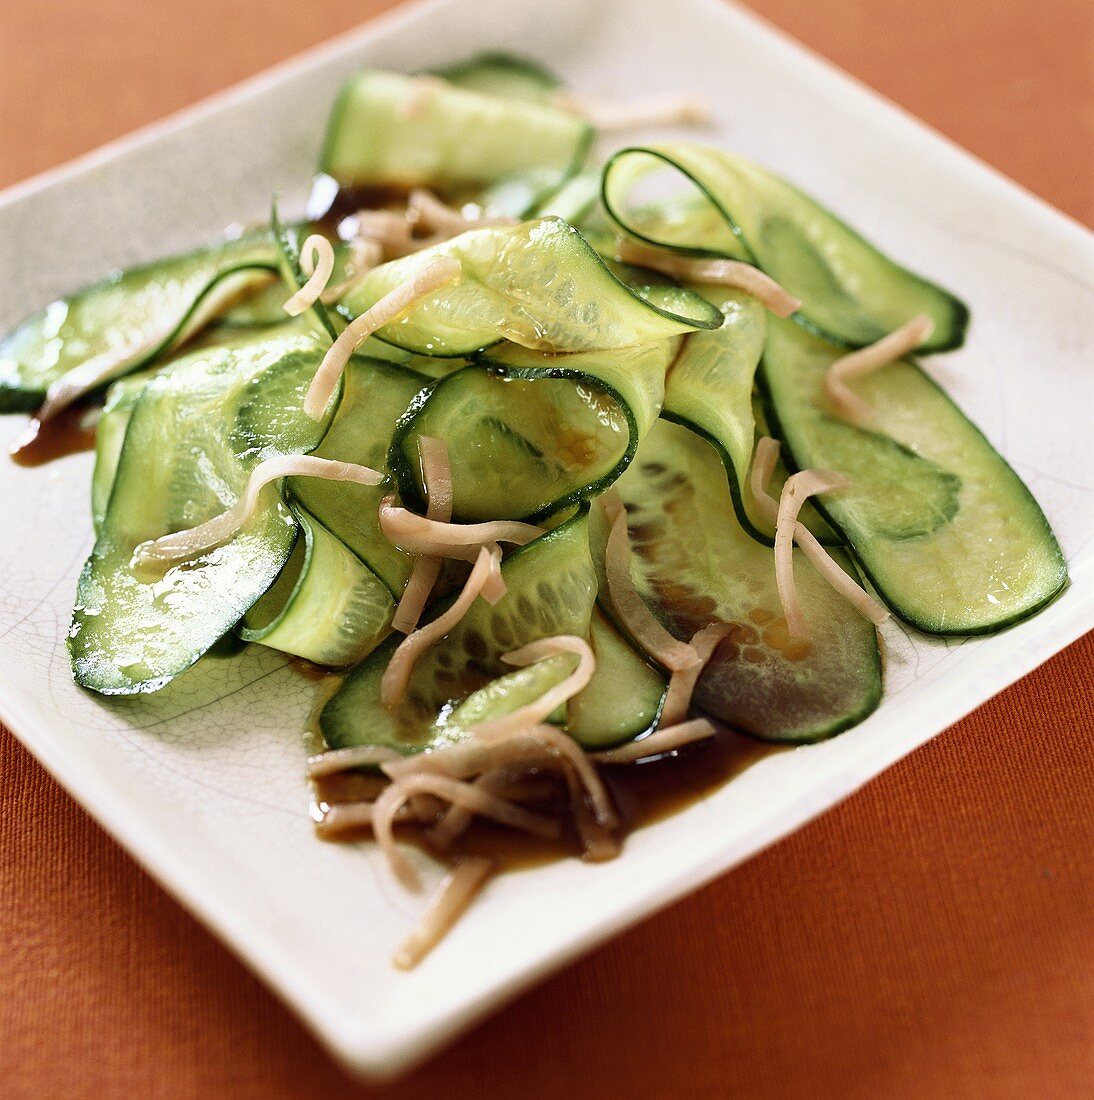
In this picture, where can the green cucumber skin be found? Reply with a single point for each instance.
(287, 240)
(556, 241)
(341, 727)
(312, 620)
(374, 393)
(467, 661)
(132, 634)
(831, 691)
(109, 441)
(28, 399)
(859, 544)
(540, 81)
(15, 397)
(731, 477)
(583, 143)
(959, 314)
(403, 471)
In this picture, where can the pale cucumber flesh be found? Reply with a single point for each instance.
(695, 565)
(947, 532)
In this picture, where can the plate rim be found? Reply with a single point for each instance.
(360, 1045)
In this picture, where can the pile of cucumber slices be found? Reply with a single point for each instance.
(553, 372)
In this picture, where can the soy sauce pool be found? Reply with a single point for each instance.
(643, 794)
(71, 431)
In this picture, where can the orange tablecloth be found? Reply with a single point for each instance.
(931, 937)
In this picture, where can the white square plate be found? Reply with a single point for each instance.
(205, 786)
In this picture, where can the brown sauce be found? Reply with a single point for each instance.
(328, 203)
(643, 793)
(317, 674)
(67, 433)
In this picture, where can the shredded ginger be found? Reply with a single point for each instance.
(732, 273)
(182, 545)
(396, 677)
(763, 466)
(682, 682)
(317, 262)
(675, 110)
(636, 617)
(423, 283)
(847, 368)
(437, 478)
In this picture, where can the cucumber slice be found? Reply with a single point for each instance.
(695, 565)
(947, 532)
(260, 310)
(131, 318)
(573, 201)
(551, 590)
(326, 605)
(387, 130)
(808, 514)
(850, 292)
(121, 400)
(519, 195)
(538, 284)
(288, 240)
(503, 75)
(193, 437)
(542, 193)
(328, 321)
(623, 700)
(528, 433)
(709, 390)
(375, 395)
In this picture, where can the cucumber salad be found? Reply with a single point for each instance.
(567, 463)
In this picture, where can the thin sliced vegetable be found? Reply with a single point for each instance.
(841, 398)
(663, 110)
(538, 284)
(709, 389)
(727, 273)
(437, 482)
(375, 394)
(121, 400)
(326, 605)
(798, 488)
(624, 697)
(388, 130)
(421, 535)
(400, 668)
(317, 262)
(79, 344)
(451, 899)
(731, 207)
(661, 741)
(519, 720)
(629, 609)
(571, 202)
(948, 534)
(767, 453)
(463, 680)
(193, 438)
(682, 682)
(695, 566)
(425, 283)
(505, 75)
(215, 532)
(529, 433)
